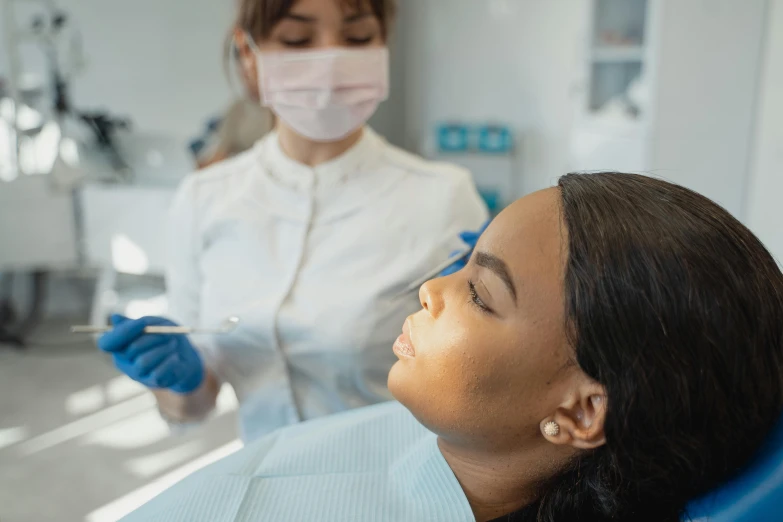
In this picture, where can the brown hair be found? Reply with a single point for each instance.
(259, 17)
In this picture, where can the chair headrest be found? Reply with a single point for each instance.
(755, 495)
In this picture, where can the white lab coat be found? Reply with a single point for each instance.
(314, 261)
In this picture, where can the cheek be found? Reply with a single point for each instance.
(459, 377)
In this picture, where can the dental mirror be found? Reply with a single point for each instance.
(227, 326)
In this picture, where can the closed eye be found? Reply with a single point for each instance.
(476, 299)
(304, 42)
(360, 41)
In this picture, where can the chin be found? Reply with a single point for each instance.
(403, 387)
(402, 384)
(396, 381)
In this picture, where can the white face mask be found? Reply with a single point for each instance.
(324, 95)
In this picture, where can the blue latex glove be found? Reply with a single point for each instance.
(471, 239)
(156, 361)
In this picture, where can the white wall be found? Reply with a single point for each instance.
(765, 210)
(709, 62)
(158, 61)
(510, 61)
(389, 121)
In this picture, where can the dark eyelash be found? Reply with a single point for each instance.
(297, 43)
(360, 41)
(476, 300)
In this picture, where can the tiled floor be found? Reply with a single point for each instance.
(79, 442)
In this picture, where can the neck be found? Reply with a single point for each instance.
(312, 153)
(498, 483)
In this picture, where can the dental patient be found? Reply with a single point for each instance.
(612, 351)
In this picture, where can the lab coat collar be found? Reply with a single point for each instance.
(323, 177)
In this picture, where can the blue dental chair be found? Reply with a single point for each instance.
(756, 495)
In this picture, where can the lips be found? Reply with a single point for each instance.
(403, 346)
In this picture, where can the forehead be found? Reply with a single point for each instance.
(346, 6)
(531, 238)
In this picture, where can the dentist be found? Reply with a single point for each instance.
(311, 237)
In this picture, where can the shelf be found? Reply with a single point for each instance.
(618, 54)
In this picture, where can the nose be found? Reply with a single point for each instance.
(431, 297)
(329, 39)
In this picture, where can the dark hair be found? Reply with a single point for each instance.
(677, 310)
(259, 17)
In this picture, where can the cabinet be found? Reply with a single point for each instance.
(669, 87)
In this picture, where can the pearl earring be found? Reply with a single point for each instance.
(551, 429)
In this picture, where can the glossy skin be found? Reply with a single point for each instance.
(491, 363)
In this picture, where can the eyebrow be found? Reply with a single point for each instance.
(356, 17)
(311, 19)
(301, 18)
(500, 269)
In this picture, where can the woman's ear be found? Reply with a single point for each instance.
(244, 50)
(579, 421)
(246, 60)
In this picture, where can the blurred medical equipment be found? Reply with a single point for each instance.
(25, 130)
(228, 326)
(51, 33)
(489, 151)
(495, 139)
(70, 179)
(28, 144)
(453, 137)
(13, 329)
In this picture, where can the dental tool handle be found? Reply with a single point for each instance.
(167, 330)
(435, 272)
(90, 329)
(170, 330)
